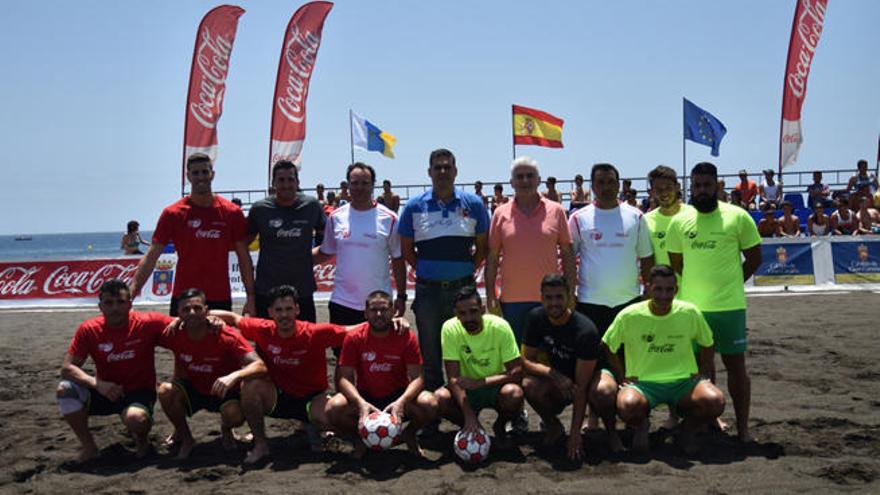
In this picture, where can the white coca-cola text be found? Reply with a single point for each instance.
(212, 59)
(18, 281)
(208, 234)
(64, 280)
(808, 28)
(299, 55)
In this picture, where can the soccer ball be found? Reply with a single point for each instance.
(473, 448)
(379, 430)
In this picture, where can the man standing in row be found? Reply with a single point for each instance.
(443, 236)
(202, 226)
(706, 246)
(285, 222)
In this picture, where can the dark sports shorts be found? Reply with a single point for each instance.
(482, 398)
(224, 305)
(292, 407)
(196, 401)
(101, 406)
(602, 317)
(343, 315)
(382, 402)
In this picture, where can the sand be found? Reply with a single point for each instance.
(815, 413)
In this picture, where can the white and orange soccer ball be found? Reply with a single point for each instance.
(473, 447)
(379, 430)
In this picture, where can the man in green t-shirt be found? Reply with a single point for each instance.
(483, 366)
(706, 246)
(659, 336)
(667, 191)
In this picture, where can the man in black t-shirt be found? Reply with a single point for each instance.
(571, 342)
(286, 223)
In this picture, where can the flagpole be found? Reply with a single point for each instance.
(683, 156)
(512, 134)
(350, 135)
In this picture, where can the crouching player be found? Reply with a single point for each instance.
(381, 370)
(482, 364)
(659, 336)
(210, 366)
(122, 344)
(571, 341)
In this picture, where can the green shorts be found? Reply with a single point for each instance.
(665, 393)
(482, 398)
(728, 330)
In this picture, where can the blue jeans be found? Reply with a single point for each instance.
(515, 314)
(432, 307)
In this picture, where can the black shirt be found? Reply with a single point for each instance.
(565, 344)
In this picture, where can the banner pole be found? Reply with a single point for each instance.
(350, 135)
(512, 134)
(683, 156)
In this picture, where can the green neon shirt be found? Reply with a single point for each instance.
(658, 226)
(483, 354)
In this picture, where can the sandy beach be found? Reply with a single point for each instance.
(815, 413)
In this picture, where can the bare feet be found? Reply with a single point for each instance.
(722, 426)
(554, 431)
(360, 449)
(229, 440)
(170, 440)
(86, 454)
(412, 443)
(640, 442)
(258, 453)
(614, 443)
(186, 447)
(745, 437)
(142, 447)
(687, 442)
(671, 422)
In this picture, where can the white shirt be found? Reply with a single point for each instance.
(609, 243)
(362, 242)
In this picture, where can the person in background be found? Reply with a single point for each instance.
(579, 196)
(388, 198)
(843, 221)
(319, 193)
(478, 190)
(770, 191)
(748, 190)
(769, 225)
(551, 193)
(818, 223)
(722, 192)
(131, 239)
(862, 183)
(343, 197)
(867, 218)
(790, 225)
(817, 192)
(498, 198)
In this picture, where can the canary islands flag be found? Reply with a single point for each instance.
(368, 137)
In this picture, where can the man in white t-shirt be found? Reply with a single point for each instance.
(613, 243)
(363, 236)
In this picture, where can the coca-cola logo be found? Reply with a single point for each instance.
(291, 233)
(65, 280)
(121, 356)
(808, 29)
(380, 367)
(201, 368)
(208, 234)
(212, 60)
(18, 280)
(299, 56)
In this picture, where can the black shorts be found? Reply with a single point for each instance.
(382, 402)
(196, 401)
(343, 315)
(224, 305)
(102, 406)
(291, 406)
(306, 307)
(603, 316)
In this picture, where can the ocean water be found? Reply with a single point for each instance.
(64, 246)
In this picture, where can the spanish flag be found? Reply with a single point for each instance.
(532, 126)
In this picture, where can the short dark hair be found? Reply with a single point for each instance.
(705, 168)
(788, 204)
(862, 163)
(276, 293)
(377, 294)
(498, 187)
(440, 153)
(465, 293)
(112, 287)
(362, 166)
(554, 280)
(662, 172)
(191, 293)
(661, 271)
(284, 165)
(478, 183)
(198, 158)
(551, 179)
(578, 177)
(132, 225)
(386, 181)
(603, 167)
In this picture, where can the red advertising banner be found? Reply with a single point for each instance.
(61, 279)
(805, 32)
(295, 66)
(207, 82)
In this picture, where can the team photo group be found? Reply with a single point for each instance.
(603, 308)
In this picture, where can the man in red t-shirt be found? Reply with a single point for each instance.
(203, 227)
(387, 368)
(121, 343)
(748, 190)
(209, 367)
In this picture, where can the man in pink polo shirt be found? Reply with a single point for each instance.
(529, 233)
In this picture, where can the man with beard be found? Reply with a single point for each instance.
(285, 222)
(705, 246)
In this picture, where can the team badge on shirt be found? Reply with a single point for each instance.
(163, 277)
(106, 347)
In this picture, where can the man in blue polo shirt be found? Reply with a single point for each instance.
(443, 235)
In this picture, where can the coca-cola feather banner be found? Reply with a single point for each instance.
(805, 32)
(207, 82)
(295, 66)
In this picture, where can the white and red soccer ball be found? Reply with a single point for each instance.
(472, 447)
(379, 430)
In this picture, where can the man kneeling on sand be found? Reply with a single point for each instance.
(381, 370)
(659, 336)
(210, 366)
(121, 342)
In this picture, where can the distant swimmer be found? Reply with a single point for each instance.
(131, 240)
(210, 366)
(121, 343)
(203, 226)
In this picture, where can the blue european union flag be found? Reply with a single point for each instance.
(702, 127)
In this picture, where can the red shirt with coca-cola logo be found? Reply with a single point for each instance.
(217, 354)
(203, 238)
(122, 355)
(380, 362)
(297, 364)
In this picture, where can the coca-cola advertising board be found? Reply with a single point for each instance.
(32, 280)
(805, 32)
(207, 82)
(299, 52)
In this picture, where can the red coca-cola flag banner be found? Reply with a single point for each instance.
(61, 279)
(295, 66)
(805, 31)
(207, 82)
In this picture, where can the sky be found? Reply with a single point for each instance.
(93, 93)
